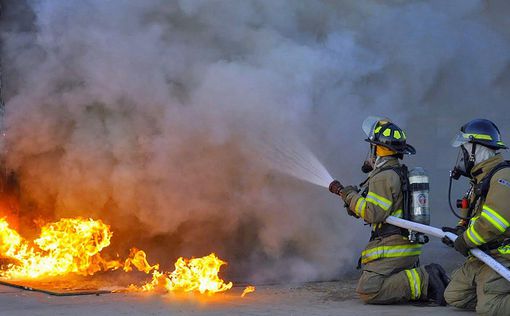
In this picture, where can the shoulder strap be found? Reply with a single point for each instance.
(484, 185)
(388, 229)
(374, 174)
(403, 173)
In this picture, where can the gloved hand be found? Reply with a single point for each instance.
(350, 212)
(457, 230)
(461, 246)
(347, 190)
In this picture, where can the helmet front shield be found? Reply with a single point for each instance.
(370, 123)
(460, 139)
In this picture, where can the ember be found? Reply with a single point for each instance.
(247, 290)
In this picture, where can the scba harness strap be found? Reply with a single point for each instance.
(385, 230)
(482, 189)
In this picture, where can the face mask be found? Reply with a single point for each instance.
(465, 161)
(368, 164)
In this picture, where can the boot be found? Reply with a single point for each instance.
(438, 280)
(444, 277)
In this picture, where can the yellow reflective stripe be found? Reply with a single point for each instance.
(376, 226)
(501, 143)
(398, 213)
(373, 198)
(363, 209)
(387, 132)
(478, 136)
(377, 129)
(411, 284)
(414, 283)
(390, 252)
(474, 237)
(418, 283)
(397, 134)
(504, 250)
(360, 207)
(494, 218)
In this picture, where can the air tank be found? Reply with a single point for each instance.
(419, 186)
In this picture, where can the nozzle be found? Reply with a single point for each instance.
(335, 187)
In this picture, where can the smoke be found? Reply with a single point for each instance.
(150, 114)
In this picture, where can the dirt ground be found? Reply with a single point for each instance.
(325, 298)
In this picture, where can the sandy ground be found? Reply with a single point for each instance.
(326, 298)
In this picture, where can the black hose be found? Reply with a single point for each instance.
(450, 203)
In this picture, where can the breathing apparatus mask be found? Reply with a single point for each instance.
(470, 154)
(369, 163)
(465, 161)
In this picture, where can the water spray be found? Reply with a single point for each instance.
(291, 157)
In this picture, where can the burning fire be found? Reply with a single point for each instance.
(73, 245)
(196, 274)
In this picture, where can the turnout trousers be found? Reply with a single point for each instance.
(475, 286)
(393, 280)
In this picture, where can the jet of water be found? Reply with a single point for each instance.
(295, 159)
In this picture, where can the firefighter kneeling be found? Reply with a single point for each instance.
(487, 207)
(391, 270)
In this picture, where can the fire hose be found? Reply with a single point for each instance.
(436, 232)
(336, 187)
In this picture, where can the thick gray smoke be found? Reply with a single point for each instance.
(149, 114)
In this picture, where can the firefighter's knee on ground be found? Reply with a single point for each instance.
(369, 285)
(460, 298)
(454, 298)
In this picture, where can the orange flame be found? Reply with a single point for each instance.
(138, 258)
(247, 290)
(73, 245)
(196, 274)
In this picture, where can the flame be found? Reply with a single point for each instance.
(247, 290)
(73, 245)
(138, 258)
(196, 274)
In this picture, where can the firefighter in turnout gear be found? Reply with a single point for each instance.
(391, 271)
(487, 220)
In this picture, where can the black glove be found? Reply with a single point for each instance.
(458, 230)
(461, 246)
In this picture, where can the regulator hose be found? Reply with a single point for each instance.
(450, 203)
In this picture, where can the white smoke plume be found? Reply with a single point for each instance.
(149, 114)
